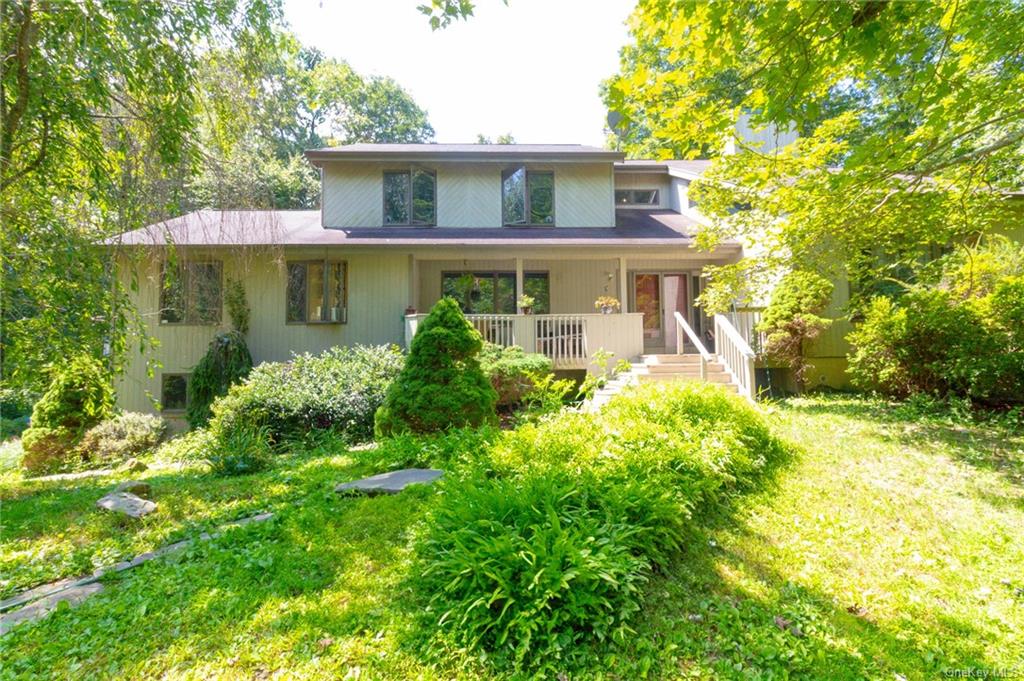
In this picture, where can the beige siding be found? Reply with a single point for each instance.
(468, 195)
(377, 297)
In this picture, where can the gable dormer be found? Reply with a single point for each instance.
(466, 185)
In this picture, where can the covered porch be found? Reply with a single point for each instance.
(564, 324)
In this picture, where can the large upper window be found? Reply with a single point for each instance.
(636, 197)
(495, 292)
(191, 293)
(527, 197)
(316, 293)
(410, 197)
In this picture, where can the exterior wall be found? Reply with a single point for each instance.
(468, 194)
(634, 180)
(377, 297)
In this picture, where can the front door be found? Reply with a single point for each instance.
(659, 295)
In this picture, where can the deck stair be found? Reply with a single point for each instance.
(684, 367)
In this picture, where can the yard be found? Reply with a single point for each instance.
(889, 545)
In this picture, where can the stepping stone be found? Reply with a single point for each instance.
(128, 504)
(391, 483)
(72, 596)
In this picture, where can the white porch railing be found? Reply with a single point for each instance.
(705, 356)
(568, 339)
(746, 319)
(736, 355)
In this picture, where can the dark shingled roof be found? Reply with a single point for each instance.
(459, 152)
(302, 228)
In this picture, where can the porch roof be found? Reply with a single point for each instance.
(302, 228)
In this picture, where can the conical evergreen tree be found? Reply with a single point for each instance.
(442, 385)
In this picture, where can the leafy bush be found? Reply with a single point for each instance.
(241, 451)
(12, 427)
(540, 547)
(339, 390)
(512, 371)
(79, 397)
(441, 385)
(792, 319)
(931, 342)
(195, 445)
(226, 362)
(122, 437)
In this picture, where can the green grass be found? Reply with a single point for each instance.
(888, 545)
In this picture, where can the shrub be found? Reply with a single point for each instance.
(933, 343)
(241, 451)
(79, 397)
(226, 362)
(541, 546)
(792, 319)
(195, 445)
(122, 437)
(441, 385)
(512, 371)
(338, 390)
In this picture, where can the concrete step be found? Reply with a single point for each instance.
(682, 368)
(715, 377)
(670, 359)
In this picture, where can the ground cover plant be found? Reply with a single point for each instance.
(116, 439)
(885, 547)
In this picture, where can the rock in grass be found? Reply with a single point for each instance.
(136, 487)
(127, 504)
(133, 465)
(390, 483)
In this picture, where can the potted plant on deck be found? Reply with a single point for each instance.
(607, 304)
(526, 303)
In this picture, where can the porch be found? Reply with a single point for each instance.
(653, 289)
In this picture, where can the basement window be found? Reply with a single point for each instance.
(174, 392)
(317, 293)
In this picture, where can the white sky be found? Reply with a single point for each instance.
(531, 68)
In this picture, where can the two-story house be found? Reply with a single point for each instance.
(402, 225)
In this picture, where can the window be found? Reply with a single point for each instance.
(527, 197)
(191, 294)
(494, 292)
(409, 197)
(317, 293)
(636, 197)
(174, 392)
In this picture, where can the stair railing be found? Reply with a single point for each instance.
(736, 355)
(705, 356)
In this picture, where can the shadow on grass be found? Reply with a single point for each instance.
(991, 447)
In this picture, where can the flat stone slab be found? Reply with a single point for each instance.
(391, 483)
(128, 504)
(72, 596)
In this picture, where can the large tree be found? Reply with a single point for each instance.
(911, 116)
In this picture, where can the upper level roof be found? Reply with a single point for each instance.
(690, 170)
(463, 152)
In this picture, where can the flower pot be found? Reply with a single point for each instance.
(607, 309)
(527, 310)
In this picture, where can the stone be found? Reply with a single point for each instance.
(128, 504)
(136, 487)
(134, 466)
(390, 483)
(72, 596)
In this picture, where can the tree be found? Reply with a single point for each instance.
(441, 385)
(98, 111)
(793, 318)
(910, 115)
(507, 138)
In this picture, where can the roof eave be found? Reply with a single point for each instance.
(318, 157)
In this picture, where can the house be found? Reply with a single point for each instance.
(402, 225)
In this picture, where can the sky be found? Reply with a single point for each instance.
(532, 68)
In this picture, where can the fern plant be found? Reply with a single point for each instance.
(227, 361)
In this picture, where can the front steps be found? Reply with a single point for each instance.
(684, 367)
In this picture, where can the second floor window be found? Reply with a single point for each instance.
(316, 293)
(191, 293)
(527, 197)
(410, 197)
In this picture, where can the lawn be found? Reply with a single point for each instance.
(888, 546)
